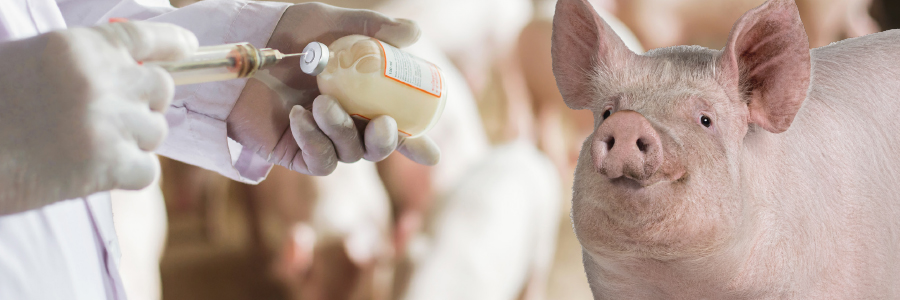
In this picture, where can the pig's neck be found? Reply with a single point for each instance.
(732, 272)
(753, 264)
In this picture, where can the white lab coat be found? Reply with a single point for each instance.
(68, 250)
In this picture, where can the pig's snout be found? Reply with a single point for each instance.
(627, 145)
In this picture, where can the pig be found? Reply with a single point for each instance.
(763, 170)
(661, 23)
(494, 236)
(477, 208)
(329, 241)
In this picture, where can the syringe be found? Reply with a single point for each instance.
(222, 62)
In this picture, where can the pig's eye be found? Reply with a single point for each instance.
(705, 121)
(606, 114)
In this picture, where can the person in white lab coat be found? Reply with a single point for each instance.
(79, 115)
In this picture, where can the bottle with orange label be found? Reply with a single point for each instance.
(371, 78)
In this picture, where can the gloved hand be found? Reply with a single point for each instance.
(307, 132)
(78, 114)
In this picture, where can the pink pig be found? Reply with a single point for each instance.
(761, 171)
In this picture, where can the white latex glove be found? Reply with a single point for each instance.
(79, 115)
(309, 133)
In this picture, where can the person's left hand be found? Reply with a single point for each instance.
(308, 132)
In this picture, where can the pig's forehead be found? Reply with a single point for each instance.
(675, 65)
(661, 102)
(669, 72)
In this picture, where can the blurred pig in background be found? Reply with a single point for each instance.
(438, 199)
(663, 23)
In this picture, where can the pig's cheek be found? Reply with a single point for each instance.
(589, 203)
(673, 167)
(712, 191)
(587, 212)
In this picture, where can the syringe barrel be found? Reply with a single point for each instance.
(215, 63)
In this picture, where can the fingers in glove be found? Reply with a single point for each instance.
(421, 150)
(151, 41)
(317, 155)
(381, 138)
(135, 169)
(338, 126)
(285, 150)
(397, 32)
(151, 85)
(148, 129)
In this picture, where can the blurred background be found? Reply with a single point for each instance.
(490, 221)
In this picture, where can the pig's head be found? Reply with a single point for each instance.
(661, 174)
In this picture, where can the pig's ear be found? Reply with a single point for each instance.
(767, 60)
(583, 44)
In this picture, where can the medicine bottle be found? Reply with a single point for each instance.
(371, 78)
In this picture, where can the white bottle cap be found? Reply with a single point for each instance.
(316, 58)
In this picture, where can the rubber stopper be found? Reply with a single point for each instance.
(316, 58)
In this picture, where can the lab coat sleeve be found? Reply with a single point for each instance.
(196, 117)
(96, 12)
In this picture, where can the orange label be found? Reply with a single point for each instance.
(412, 71)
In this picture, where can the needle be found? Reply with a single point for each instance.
(295, 54)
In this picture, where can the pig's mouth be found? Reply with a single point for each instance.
(660, 178)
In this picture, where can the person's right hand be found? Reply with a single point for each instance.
(79, 114)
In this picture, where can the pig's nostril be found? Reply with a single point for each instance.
(609, 143)
(641, 145)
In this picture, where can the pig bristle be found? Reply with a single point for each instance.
(700, 62)
(664, 67)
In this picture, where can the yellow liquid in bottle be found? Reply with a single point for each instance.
(371, 78)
